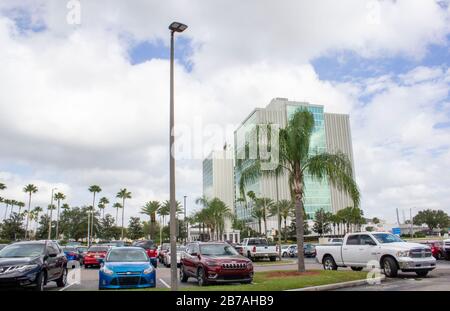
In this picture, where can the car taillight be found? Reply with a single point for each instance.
(254, 249)
(90, 254)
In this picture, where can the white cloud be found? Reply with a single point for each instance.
(75, 112)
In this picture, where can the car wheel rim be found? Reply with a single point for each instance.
(327, 264)
(387, 268)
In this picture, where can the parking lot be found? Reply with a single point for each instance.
(439, 279)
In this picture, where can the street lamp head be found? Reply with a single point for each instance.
(178, 27)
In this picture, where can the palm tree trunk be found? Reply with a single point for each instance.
(28, 216)
(123, 213)
(57, 220)
(285, 230)
(117, 214)
(300, 231)
(93, 210)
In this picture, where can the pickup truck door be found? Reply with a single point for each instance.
(367, 249)
(351, 250)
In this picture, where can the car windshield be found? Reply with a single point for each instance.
(22, 250)
(127, 255)
(217, 250)
(387, 238)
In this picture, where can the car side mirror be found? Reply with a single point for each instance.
(52, 255)
(194, 254)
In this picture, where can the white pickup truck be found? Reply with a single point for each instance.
(388, 251)
(255, 248)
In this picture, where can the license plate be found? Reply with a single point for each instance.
(265, 255)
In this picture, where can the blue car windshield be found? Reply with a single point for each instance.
(127, 255)
(22, 250)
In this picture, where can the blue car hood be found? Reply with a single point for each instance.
(127, 266)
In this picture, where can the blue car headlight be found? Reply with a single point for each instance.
(148, 270)
(106, 270)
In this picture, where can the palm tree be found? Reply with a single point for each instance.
(37, 210)
(93, 189)
(150, 209)
(278, 209)
(123, 194)
(12, 203)
(20, 205)
(117, 206)
(296, 160)
(50, 209)
(165, 209)
(30, 189)
(102, 205)
(58, 197)
(264, 204)
(219, 212)
(65, 207)
(7, 203)
(257, 213)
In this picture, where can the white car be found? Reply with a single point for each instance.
(256, 248)
(286, 250)
(388, 251)
(166, 258)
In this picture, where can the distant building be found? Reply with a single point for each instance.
(331, 133)
(218, 182)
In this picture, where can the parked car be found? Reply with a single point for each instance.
(256, 248)
(72, 255)
(214, 262)
(447, 249)
(32, 264)
(164, 248)
(238, 247)
(82, 252)
(287, 249)
(115, 244)
(437, 249)
(386, 249)
(126, 267)
(94, 255)
(180, 251)
(2, 246)
(150, 248)
(309, 250)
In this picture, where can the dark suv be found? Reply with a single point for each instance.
(215, 262)
(32, 264)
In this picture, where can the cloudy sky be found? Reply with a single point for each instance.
(84, 99)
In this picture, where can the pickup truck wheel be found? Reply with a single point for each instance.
(422, 274)
(183, 276)
(390, 267)
(356, 268)
(284, 254)
(329, 263)
(201, 277)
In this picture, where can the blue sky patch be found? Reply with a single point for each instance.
(140, 52)
(23, 20)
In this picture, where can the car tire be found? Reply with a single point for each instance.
(62, 281)
(284, 254)
(422, 274)
(201, 277)
(183, 277)
(40, 282)
(390, 267)
(356, 268)
(329, 263)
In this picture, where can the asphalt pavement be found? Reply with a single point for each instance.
(81, 279)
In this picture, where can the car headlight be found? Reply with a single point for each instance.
(249, 265)
(24, 268)
(403, 254)
(148, 270)
(106, 270)
(212, 263)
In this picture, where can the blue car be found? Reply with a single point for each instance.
(71, 253)
(126, 267)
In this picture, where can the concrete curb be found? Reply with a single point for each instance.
(337, 285)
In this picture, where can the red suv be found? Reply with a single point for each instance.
(215, 262)
(436, 249)
(94, 253)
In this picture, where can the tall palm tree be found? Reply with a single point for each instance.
(123, 194)
(297, 161)
(102, 205)
(117, 206)
(164, 210)
(12, 203)
(150, 209)
(65, 207)
(50, 209)
(219, 211)
(264, 204)
(93, 189)
(59, 196)
(20, 205)
(257, 213)
(7, 203)
(36, 211)
(30, 189)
